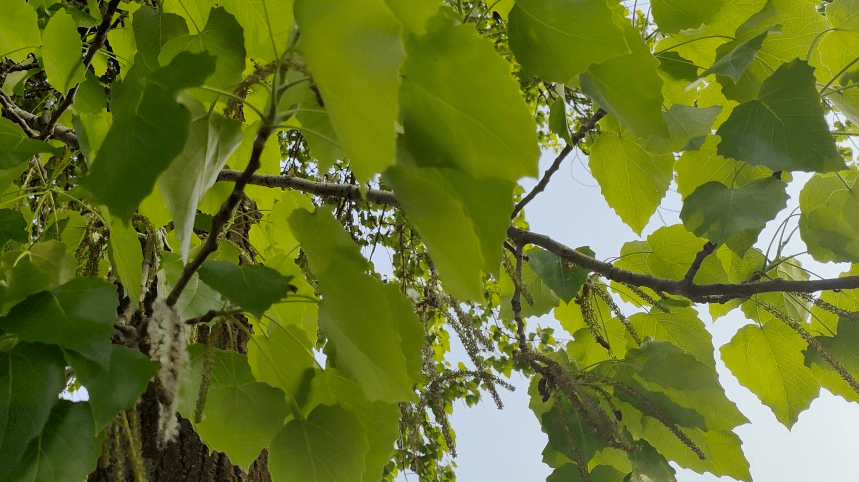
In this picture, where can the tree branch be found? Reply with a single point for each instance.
(31, 123)
(576, 138)
(689, 279)
(223, 216)
(95, 46)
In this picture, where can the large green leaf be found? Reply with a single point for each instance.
(379, 346)
(61, 52)
(689, 127)
(223, 38)
(787, 303)
(675, 15)
(78, 315)
(768, 360)
(356, 66)
(16, 147)
(264, 22)
(282, 357)
(558, 39)
(829, 220)
(380, 419)
(13, 227)
(329, 446)
(254, 288)
(717, 212)
(197, 298)
(632, 179)
(413, 14)
(696, 168)
(461, 107)
(152, 29)
(19, 30)
(629, 87)
(212, 139)
(115, 387)
(783, 128)
(149, 130)
(735, 56)
(33, 376)
(233, 399)
(463, 221)
(564, 278)
(67, 449)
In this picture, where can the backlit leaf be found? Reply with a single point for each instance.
(329, 446)
(768, 361)
(564, 279)
(61, 52)
(19, 30)
(281, 358)
(356, 66)
(263, 21)
(152, 29)
(675, 15)
(735, 56)
(829, 220)
(461, 107)
(126, 258)
(841, 347)
(696, 168)
(558, 39)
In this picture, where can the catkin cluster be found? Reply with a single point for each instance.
(168, 337)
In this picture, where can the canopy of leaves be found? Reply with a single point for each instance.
(281, 218)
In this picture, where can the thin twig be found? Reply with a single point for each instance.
(689, 279)
(576, 138)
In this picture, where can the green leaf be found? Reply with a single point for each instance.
(632, 179)
(629, 87)
(768, 361)
(380, 419)
(61, 52)
(563, 425)
(413, 13)
(16, 147)
(233, 399)
(829, 219)
(126, 258)
(12, 227)
(282, 357)
(377, 347)
(716, 212)
(116, 387)
(461, 107)
(254, 288)
(90, 98)
(681, 327)
(558, 120)
(462, 220)
(673, 16)
(19, 30)
(696, 168)
(149, 130)
(735, 56)
(329, 446)
(787, 303)
(212, 139)
(689, 126)
(263, 21)
(557, 40)
(33, 376)
(221, 37)
(783, 128)
(78, 315)
(544, 300)
(356, 66)
(152, 29)
(564, 278)
(570, 473)
(67, 449)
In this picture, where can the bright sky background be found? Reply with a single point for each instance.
(506, 445)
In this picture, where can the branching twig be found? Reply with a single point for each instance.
(576, 138)
(689, 279)
(95, 46)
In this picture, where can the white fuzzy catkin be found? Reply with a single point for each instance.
(168, 337)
